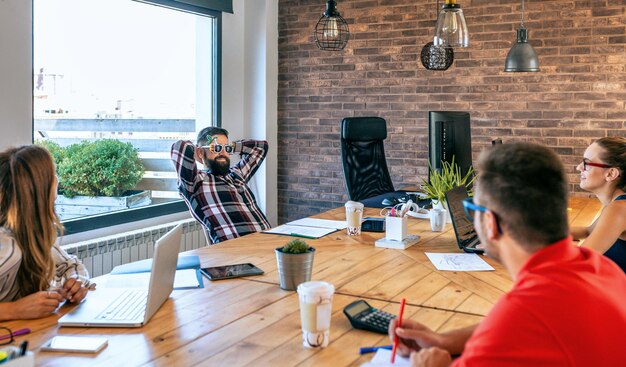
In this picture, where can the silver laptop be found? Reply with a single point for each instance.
(131, 307)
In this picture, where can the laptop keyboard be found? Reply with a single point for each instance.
(129, 305)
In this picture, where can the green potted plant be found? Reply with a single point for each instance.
(442, 181)
(295, 263)
(97, 176)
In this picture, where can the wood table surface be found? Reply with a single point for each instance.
(251, 321)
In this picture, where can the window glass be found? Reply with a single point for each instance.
(124, 70)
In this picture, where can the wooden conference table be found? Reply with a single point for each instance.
(251, 321)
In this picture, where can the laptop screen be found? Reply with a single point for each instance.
(463, 227)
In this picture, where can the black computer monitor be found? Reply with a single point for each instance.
(449, 135)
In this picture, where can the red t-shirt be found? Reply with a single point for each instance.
(567, 308)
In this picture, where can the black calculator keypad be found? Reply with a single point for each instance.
(378, 320)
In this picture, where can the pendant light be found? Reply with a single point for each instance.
(451, 29)
(436, 57)
(331, 32)
(522, 56)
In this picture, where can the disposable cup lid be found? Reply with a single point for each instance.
(354, 204)
(316, 288)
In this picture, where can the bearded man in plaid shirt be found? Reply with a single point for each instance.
(219, 196)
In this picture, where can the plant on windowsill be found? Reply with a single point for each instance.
(295, 263)
(442, 181)
(97, 176)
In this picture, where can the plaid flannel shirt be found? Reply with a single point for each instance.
(224, 204)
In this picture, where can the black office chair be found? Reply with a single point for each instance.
(363, 157)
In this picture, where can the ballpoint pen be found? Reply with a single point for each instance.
(17, 332)
(396, 340)
(365, 350)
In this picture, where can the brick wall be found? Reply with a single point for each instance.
(578, 95)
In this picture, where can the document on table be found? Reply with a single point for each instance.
(383, 358)
(185, 278)
(301, 231)
(458, 262)
(319, 223)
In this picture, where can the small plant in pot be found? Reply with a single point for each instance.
(445, 180)
(295, 263)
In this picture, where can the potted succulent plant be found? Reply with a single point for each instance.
(295, 263)
(445, 180)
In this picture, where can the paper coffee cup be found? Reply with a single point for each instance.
(315, 311)
(354, 217)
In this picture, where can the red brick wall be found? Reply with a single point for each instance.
(578, 95)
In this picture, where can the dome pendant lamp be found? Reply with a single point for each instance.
(522, 56)
(331, 32)
(451, 29)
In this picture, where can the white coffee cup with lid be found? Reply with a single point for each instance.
(316, 300)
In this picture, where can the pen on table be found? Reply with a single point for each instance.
(17, 332)
(23, 348)
(302, 236)
(365, 350)
(396, 340)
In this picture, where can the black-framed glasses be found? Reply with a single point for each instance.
(592, 164)
(6, 335)
(470, 208)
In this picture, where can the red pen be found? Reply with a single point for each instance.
(397, 340)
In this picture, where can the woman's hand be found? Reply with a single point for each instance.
(36, 305)
(74, 289)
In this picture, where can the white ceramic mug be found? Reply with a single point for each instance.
(316, 300)
(437, 220)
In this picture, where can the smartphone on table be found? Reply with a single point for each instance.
(231, 271)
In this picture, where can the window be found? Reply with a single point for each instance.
(126, 70)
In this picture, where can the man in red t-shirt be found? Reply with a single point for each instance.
(567, 305)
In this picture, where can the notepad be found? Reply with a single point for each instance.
(300, 231)
(383, 358)
(187, 274)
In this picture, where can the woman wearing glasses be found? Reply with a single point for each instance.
(603, 172)
(36, 275)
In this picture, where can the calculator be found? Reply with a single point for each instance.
(365, 317)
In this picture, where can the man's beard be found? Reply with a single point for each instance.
(220, 167)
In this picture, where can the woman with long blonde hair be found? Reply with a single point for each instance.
(603, 172)
(36, 275)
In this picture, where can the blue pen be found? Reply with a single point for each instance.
(373, 349)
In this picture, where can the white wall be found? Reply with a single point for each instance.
(250, 87)
(250, 79)
(16, 73)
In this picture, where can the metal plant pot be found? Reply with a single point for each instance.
(294, 269)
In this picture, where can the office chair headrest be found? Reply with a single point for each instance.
(363, 128)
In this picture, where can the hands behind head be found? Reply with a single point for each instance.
(423, 344)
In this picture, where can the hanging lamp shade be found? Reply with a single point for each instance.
(436, 57)
(522, 56)
(451, 28)
(331, 32)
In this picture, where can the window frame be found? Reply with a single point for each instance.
(99, 221)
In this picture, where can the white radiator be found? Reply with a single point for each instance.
(100, 255)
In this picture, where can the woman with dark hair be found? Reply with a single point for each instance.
(36, 275)
(603, 172)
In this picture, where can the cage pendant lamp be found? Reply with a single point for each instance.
(522, 56)
(451, 28)
(331, 31)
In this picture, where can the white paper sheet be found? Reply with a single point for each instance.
(458, 262)
(186, 278)
(319, 223)
(383, 358)
(300, 231)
